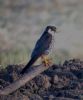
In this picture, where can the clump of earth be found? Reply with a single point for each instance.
(63, 82)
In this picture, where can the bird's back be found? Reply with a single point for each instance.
(42, 45)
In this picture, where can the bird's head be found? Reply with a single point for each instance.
(51, 30)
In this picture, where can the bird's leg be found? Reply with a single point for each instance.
(46, 60)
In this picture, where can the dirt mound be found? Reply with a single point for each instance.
(63, 82)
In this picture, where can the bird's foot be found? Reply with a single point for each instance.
(47, 61)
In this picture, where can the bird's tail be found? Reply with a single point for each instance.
(33, 59)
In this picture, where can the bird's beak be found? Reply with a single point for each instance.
(58, 31)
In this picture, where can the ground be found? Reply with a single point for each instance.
(63, 82)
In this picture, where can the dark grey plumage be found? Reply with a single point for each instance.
(43, 46)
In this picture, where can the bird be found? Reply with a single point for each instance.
(43, 47)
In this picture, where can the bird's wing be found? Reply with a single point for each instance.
(42, 45)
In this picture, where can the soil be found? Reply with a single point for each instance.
(64, 82)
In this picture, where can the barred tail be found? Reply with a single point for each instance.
(33, 59)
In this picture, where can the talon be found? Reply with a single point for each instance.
(46, 61)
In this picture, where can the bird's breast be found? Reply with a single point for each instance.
(51, 47)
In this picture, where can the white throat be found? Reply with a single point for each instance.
(51, 32)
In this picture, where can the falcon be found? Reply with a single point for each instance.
(43, 47)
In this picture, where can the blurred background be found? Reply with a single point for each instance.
(23, 21)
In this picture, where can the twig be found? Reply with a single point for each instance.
(24, 79)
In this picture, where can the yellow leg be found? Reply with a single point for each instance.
(46, 60)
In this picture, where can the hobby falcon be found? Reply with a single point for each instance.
(43, 47)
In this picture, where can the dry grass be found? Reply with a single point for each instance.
(13, 57)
